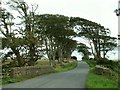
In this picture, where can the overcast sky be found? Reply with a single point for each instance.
(100, 11)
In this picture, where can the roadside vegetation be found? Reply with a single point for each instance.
(66, 66)
(95, 80)
(59, 68)
(99, 81)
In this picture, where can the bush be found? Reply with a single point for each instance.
(109, 64)
(101, 61)
(85, 58)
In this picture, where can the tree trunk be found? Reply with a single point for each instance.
(97, 55)
(33, 57)
(92, 49)
(60, 54)
(18, 57)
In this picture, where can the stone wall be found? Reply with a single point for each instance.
(30, 71)
(102, 70)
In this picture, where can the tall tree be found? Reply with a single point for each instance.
(30, 34)
(10, 39)
(95, 34)
(84, 50)
(56, 33)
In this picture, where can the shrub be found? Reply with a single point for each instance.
(101, 61)
(109, 64)
(85, 58)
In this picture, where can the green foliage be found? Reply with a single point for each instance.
(98, 81)
(57, 35)
(91, 63)
(98, 36)
(85, 58)
(113, 65)
(102, 61)
(42, 63)
(54, 32)
(8, 80)
(84, 50)
(66, 67)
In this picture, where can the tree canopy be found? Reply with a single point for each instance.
(50, 34)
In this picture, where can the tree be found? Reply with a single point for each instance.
(108, 43)
(57, 34)
(30, 31)
(69, 46)
(10, 40)
(95, 34)
(84, 50)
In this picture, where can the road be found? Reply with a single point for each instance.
(75, 78)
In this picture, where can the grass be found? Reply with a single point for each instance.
(65, 67)
(58, 68)
(100, 81)
(0, 81)
(42, 63)
(8, 80)
(91, 63)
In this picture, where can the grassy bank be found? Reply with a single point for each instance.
(65, 67)
(100, 81)
(8, 80)
(58, 68)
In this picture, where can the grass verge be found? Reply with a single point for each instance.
(65, 67)
(99, 81)
(8, 80)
